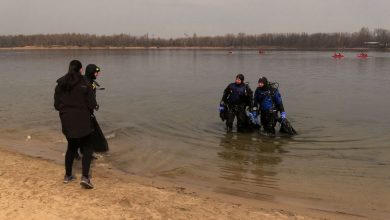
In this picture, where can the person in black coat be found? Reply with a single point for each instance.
(91, 72)
(75, 101)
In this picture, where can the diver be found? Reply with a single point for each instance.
(236, 98)
(91, 73)
(268, 101)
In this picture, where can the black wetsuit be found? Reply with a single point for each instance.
(237, 97)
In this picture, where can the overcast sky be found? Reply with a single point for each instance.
(175, 18)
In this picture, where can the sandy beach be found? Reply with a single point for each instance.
(32, 188)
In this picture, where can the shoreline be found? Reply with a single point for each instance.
(32, 188)
(318, 170)
(264, 48)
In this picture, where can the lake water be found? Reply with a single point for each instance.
(160, 113)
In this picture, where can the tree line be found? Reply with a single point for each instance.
(240, 40)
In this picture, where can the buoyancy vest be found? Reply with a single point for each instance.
(238, 94)
(268, 99)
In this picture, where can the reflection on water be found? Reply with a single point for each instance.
(250, 159)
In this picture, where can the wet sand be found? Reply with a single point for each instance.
(32, 188)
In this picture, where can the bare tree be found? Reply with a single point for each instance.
(240, 40)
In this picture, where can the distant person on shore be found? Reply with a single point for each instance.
(236, 98)
(75, 101)
(269, 102)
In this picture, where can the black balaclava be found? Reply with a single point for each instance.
(241, 77)
(90, 71)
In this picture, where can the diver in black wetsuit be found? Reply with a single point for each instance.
(236, 98)
(91, 73)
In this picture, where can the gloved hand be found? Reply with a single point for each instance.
(221, 108)
(222, 111)
(254, 113)
(283, 115)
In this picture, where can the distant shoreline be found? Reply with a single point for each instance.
(265, 48)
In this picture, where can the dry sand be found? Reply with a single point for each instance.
(32, 188)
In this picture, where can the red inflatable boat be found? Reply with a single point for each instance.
(362, 55)
(338, 55)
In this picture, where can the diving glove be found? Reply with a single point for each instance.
(222, 111)
(221, 108)
(283, 115)
(254, 112)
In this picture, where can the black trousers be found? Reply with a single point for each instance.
(268, 121)
(237, 111)
(73, 145)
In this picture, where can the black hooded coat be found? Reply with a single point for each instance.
(75, 101)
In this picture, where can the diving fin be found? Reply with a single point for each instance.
(286, 127)
(97, 138)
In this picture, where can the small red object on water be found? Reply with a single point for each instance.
(338, 55)
(362, 55)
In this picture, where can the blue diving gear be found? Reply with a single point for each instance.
(253, 117)
(283, 115)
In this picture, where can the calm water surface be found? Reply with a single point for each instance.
(159, 111)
